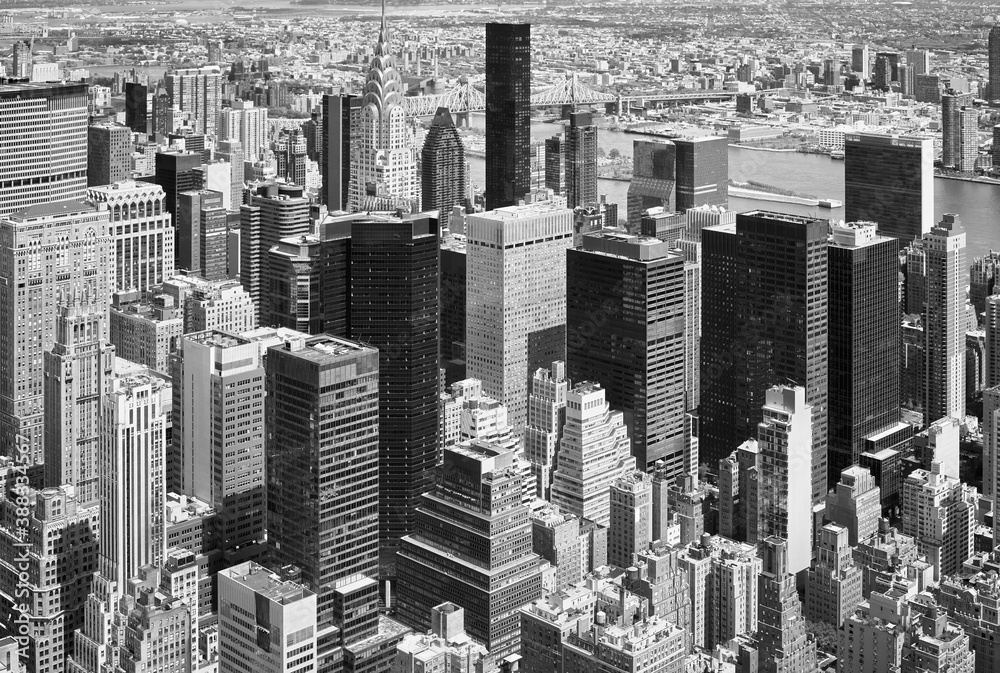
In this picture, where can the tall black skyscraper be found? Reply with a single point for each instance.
(889, 180)
(508, 113)
(339, 116)
(394, 307)
(138, 116)
(177, 172)
(581, 161)
(863, 361)
(777, 331)
(625, 329)
(702, 172)
(442, 162)
(993, 91)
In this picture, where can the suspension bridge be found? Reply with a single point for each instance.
(466, 98)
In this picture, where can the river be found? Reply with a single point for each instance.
(977, 204)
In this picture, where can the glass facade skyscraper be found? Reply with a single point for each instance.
(702, 172)
(508, 112)
(863, 324)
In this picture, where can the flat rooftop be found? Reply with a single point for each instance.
(262, 581)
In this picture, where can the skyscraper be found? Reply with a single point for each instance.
(231, 151)
(131, 464)
(581, 161)
(290, 153)
(48, 254)
(141, 230)
(294, 288)
(322, 479)
(197, 91)
(720, 283)
(78, 374)
(702, 172)
(555, 164)
(546, 415)
(889, 180)
(275, 212)
(943, 329)
(833, 583)
(625, 329)
(863, 354)
(138, 108)
(217, 451)
(177, 172)
(109, 154)
(631, 498)
(475, 520)
(247, 125)
(21, 59)
(593, 452)
(994, 62)
(516, 298)
(201, 226)
(393, 258)
(784, 646)
(785, 504)
(383, 158)
(960, 138)
(764, 321)
(443, 165)
(340, 129)
(53, 166)
(654, 166)
(861, 60)
(508, 110)
(939, 512)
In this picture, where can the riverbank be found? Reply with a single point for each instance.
(978, 179)
(761, 149)
(742, 193)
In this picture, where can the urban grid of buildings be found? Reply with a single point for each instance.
(296, 395)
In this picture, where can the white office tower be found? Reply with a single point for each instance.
(141, 230)
(254, 602)
(48, 254)
(546, 414)
(384, 160)
(132, 481)
(784, 438)
(247, 125)
(594, 452)
(217, 454)
(78, 376)
(198, 92)
(939, 512)
(944, 329)
(516, 298)
(939, 443)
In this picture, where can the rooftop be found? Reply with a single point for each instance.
(262, 581)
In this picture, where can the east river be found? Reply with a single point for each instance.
(977, 204)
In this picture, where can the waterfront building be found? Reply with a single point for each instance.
(889, 180)
(581, 161)
(702, 172)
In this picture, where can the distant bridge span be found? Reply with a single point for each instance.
(466, 98)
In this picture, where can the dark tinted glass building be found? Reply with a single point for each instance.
(625, 330)
(702, 172)
(508, 111)
(322, 446)
(777, 334)
(394, 307)
(339, 116)
(581, 161)
(443, 177)
(653, 178)
(889, 180)
(177, 172)
(863, 310)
